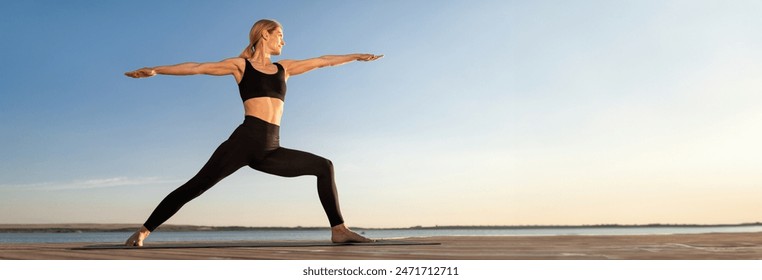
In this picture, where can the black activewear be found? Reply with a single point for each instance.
(257, 84)
(254, 143)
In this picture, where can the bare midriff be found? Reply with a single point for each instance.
(268, 109)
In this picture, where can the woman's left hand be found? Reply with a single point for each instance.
(369, 57)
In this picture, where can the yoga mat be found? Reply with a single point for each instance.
(251, 244)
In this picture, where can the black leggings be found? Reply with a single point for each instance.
(254, 143)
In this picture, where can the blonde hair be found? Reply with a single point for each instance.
(256, 33)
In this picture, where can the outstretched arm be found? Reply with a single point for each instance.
(296, 67)
(225, 67)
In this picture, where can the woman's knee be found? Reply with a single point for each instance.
(326, 167)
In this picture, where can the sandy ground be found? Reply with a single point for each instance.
(714, 246)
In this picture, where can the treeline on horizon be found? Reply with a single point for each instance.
(65, 228)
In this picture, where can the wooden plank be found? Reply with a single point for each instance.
(714, 246)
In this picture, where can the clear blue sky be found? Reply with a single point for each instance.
(480, 113)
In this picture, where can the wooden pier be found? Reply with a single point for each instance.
(713, 246)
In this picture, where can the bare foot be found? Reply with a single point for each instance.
(137, 238)
(341, 234)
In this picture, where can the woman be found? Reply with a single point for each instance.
(262, 85)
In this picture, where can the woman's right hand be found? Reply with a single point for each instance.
(144, 72)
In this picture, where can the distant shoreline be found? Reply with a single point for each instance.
(81, 227)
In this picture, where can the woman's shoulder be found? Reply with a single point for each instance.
(238, 62)
(235, 60)
(285, 63)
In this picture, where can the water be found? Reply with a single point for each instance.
(324, 234)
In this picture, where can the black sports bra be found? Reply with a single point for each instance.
(257, 84)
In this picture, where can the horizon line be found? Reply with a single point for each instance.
(119, 226)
